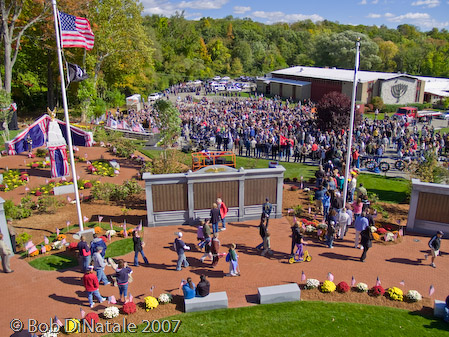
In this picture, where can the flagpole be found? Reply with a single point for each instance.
(351, 122)
(66, 114)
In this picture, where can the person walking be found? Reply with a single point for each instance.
(207, 232)
(262, 233)
(366, 241)
(91, 285)
(214, 217)
(360, 224)
(267, 245)
(223, 211)
(267, 207)
(138, 248)
(214, 249)
(434, 245)
(180, 248)
(5, 253)
(99, 265)
(84, 252)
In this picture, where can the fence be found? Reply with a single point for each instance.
(174, 199)
(429, 208)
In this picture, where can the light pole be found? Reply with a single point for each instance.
(351, 122)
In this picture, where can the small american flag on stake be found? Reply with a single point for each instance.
(139, 228)
(353, 282)
(57, 321)
(112, 300)
(85, 219)
(402, 283)
(431, 290)
(377, 281)
(131, 297)
(100, 218)
(46, 241)
(330, 277)
(303, 276)
(83, 313)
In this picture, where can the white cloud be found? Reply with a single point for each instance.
(363, 2)
(273, 17)
(241, 9)
(375, 2)
(168, 8)
(216, 4)
(427, 3)
(374, 16)
(388, 15)
(419, 19)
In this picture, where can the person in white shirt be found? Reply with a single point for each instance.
(344, 221)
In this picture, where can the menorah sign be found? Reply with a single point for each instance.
(398, 90)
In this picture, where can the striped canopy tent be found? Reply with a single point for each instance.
(53, 133)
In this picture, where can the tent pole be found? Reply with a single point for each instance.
(66, 114)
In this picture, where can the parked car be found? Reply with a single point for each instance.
(155, 96)
(444, 115)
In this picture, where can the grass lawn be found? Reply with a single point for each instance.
(388, 189)
(119, 248)
(292, 169)
(54, 262)
(306, 319)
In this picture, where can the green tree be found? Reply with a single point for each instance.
(169, 121)
(17, 17)
(5, 113)
(387, 53)
(338, 50)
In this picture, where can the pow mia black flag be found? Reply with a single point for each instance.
(76, 73)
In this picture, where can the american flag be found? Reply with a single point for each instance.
(303, 276)
(83, 313)
(353, 282)
(58, 321)
(75, 31)
(378, 281)
(330, 277)
(112, 300)
(431, 290)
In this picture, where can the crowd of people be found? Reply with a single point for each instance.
(273, 129)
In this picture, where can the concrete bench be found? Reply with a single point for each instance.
(282, 293)
(210, 302)
(438, 308)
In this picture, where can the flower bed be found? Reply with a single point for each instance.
(102, 168)
(151, 303)
(13, 179)
(328, 287)
(39, 164)
(47, 189)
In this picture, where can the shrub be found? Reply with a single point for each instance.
(312, 283)
(112, 192)
(328, 287)
(129, 308)
(150, 303)
(92, 318)
(111, 312)
(362, 287)
(377, 291)
(22, 239)
(413, 296)
(165, 298)
(395, 294)
(377, 102)
(103, 191)
(48, 204)
(42, 153)
(343, 287)
(298, 210)
(21, 211)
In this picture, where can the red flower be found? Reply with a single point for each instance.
(343, 287)
(129, 308)
(38, 193)
(88, 185)
(35, 165)
(381, 230)
(92, 318)
(52, 192)
(377, 291)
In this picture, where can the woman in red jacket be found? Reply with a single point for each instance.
(223, 211)
(91, 284)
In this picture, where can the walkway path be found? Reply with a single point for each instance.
(29, 293)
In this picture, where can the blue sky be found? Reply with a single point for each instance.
(426, 14)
